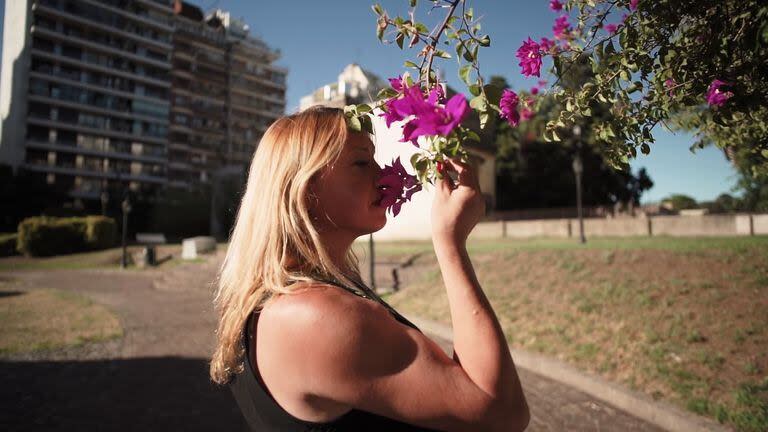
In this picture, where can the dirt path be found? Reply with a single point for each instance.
(155, 378)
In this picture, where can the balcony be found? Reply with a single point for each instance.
(56, 124)
(101, 47)
(69, 168)
(161, 23)
(80, 149)
(82, 18)
(99, 67)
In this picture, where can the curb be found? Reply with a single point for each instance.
(639, 405)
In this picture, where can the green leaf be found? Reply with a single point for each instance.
(410, 64)
(354, 123)
(484, 117)
(474, 89)
(415, 158)
(377, 9)
(399, 39)
(485, 41)
(479, 103)
(645, 148)
(472, 136)
(442, 54)
(364, 108)
(386, 93)
(493, 93)
(413, 3)
(464, 72)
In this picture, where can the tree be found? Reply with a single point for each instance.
(681, 202)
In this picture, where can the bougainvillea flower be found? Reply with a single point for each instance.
(715, 96)
(429, 118)
(561, 28)
(396, 186)
(526, 114)
(390, 114)
(611, 28)
(670, 83)
(508, 105)
(633, 4)
(396, 83)
(555, 5)
(529, 54)
(546, 44)
(534, 91)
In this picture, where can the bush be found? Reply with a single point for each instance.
(8, 244)
(46, 236)
(101, 232)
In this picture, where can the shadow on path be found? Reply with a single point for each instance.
(164, 393)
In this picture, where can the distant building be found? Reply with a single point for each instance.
(143, 94)
(356, 85)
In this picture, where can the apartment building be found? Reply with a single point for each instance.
(138, 94)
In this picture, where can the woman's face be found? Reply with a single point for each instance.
(347, 191)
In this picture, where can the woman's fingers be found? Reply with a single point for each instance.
(466, 175)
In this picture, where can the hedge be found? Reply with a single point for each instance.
(8, 244)
(46, 236)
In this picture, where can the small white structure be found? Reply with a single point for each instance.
(191, 248)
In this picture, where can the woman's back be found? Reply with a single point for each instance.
(260, 405)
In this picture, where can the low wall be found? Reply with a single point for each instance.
(678, 226)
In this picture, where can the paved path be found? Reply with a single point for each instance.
(155, 378)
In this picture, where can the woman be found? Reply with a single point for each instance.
(304, 344)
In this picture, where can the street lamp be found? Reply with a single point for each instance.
(126, 209)
(578, 169)
(104, 198)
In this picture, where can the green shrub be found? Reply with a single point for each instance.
(8, 244)
(46, 236)
(101, 232)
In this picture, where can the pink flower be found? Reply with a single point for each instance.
(526, 114)
(546, 44)
(529, 54)
(396, 83)
(429, 118)
(561, 27)
(555, 5)
(397, 186)
(715, 96)
(670, 84)
(508, 105)
(534, 91)
(633, 4)
(611, 28)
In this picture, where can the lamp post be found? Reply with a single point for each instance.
(578, 169)
(126, 209)
(104, 198)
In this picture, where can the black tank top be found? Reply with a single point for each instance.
(264, 414)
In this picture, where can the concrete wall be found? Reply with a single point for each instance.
(760, 224)
(714, 225)
(415, 226)
(537, 228)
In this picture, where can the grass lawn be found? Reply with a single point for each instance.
(47, 319)
(107, 258)
(684, 320)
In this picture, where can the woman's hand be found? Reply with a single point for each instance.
(457, 205)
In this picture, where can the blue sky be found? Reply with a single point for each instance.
(318, 38)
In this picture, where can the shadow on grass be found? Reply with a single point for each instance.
(10, 293)
(164, 393)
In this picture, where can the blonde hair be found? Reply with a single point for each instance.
(273, 225)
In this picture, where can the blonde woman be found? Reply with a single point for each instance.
(305, 345)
